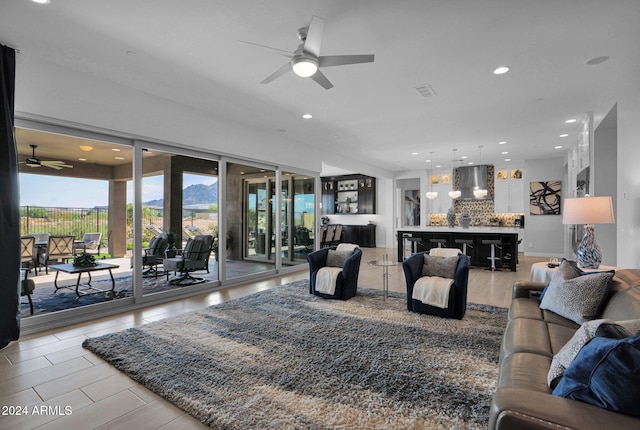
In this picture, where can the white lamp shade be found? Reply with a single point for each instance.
(304, 67)
(588, 210)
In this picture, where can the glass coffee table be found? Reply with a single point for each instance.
(385, 263)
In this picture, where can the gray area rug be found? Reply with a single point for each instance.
(284, 359)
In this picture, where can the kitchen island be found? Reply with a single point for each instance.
(478, 254)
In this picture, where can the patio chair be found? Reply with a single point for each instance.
(59, 248)
(194, 256)
(26, 289)
(89, 242)
(154, 255)
(28, 251)
(303, 238)
(154, 230)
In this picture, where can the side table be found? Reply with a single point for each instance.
(385, 263)
(540, 272)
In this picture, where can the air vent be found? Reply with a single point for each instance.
(426, 91)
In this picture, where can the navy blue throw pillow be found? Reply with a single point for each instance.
(605, 374)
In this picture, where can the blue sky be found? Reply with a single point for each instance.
(40, 190)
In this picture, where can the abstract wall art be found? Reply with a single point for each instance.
(545, 197)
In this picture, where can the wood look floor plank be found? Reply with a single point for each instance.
(52, 369)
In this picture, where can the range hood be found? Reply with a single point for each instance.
(473, 178)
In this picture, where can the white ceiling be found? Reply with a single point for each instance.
(189, 51)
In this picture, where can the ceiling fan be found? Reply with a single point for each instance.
(306, 61)
(36, 162)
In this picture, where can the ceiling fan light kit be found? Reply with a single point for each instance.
(36, 162)
(304, 67)
(306, 60)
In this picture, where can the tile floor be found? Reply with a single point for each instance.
(50, 372)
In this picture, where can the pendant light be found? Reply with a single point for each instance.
(431, 194)
(454, 194)
(480, 193)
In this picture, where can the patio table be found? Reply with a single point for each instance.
(84, 289)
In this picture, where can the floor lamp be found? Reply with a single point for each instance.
(588, 211)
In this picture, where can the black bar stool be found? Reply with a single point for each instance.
(440, 243)
(495, 244)
(466, 243)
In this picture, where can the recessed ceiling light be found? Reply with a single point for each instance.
(470, 162)
(570, 121)
(501, 70)
(464, 157)
(115, 149)
(557, 147)
(307, 116)
(41, 1)
(564, 135)
(507, 159)
(427, 161)
(414, 153)
(504, 142)
(86, 148)
(504, 152)
(438, 165)
(597, 60)
(119, 158)
(82, 159)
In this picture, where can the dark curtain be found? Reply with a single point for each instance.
(9, 205)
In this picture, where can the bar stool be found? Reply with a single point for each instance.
(466, 243)
(495, 244)
(440, 242)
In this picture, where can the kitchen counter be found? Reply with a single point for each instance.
(477, 252)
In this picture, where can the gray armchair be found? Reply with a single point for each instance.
(194, 257)
(89, 242)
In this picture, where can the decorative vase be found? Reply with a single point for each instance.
(451, 217)
(589, 254)
(465, 219)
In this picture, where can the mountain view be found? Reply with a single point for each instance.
(193, 194)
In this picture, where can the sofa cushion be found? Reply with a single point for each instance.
(444, 267)
(568, 269)
(579, 299)
(587, 331)
(605, 374)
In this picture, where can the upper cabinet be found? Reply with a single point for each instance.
(350, 194)
(509, 190)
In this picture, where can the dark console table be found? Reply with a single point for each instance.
(362, 235)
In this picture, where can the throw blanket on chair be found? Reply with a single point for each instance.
(326, 279)
(346, 247)
(444, 252)
(433, 290)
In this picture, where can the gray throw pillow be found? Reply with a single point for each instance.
(337, 258)
(445, 267)
(578, 299)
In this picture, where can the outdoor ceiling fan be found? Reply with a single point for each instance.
(36, 162)
(306, 61)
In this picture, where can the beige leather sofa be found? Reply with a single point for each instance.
(523, 399)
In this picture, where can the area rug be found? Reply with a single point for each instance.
(285, 359)
(46, 299)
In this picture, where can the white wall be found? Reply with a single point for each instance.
(543, 234)
(605, 155)
(628, 171)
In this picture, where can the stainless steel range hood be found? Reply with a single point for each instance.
(473, 178)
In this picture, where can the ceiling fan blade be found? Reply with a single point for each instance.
(56, 164)
(314, 36)
(281, 71)
(343, 60)
(320, 78)
(289, 53)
